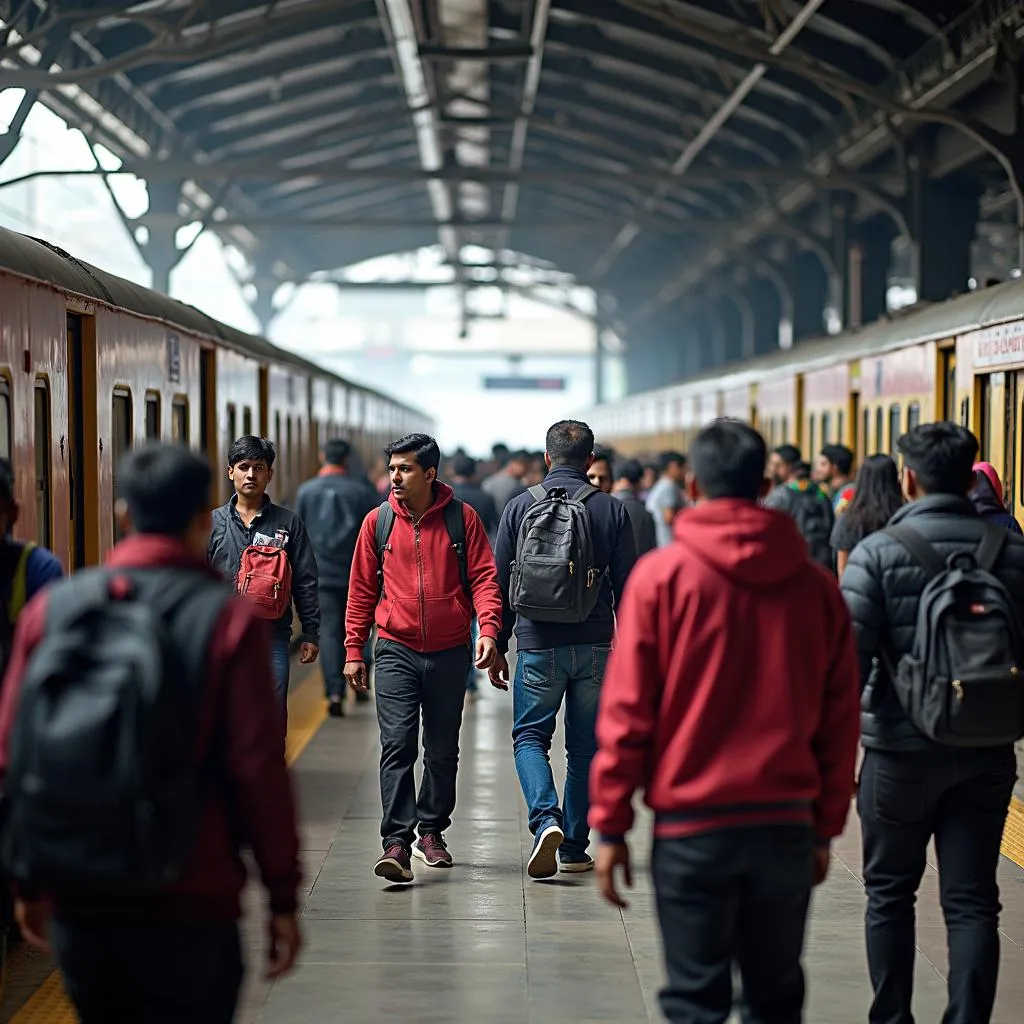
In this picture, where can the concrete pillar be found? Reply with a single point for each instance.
(161, 249)
(873, 241)
(944, 218)
(809, 285)
(764, 302)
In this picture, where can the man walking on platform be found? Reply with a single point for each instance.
(731, 700)
(422, 567)
(332, 507)
(564, 551)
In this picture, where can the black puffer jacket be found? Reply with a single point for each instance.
(882, 585)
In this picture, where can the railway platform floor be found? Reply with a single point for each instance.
(482, 943)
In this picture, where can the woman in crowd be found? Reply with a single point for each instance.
(875, 500)
(987, 495)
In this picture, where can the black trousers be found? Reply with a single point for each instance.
(408, 684)
(960, 797)
(737, 895)
(150, 973)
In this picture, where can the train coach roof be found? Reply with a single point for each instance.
(38, 259)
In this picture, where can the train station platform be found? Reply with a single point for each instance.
(482, 943)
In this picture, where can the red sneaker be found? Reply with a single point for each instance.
(431, 849)
(395, 865)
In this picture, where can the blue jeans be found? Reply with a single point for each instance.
(474, 632)
(280, 662)
(543, 679)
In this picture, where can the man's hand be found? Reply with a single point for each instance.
(498, 672)
(308, 653)
(611, 856)
(486, 652)
(33, 917)
(285, 943)
(355, 676)
(822, 859)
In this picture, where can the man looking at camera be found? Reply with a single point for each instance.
(422, 567)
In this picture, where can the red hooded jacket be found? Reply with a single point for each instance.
(732, 694)
(423, 607)
(238, 709)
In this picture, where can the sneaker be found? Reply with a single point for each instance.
(577, 865)
(395, 865)
(431, 849)
(336, 709)
(543, 862)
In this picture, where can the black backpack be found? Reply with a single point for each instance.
(454, 523)
(103, 792)
(961, 683)
(812, 512)
(554, 578)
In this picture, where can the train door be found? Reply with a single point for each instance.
(947, 383)
(83, 485)
(1013, 485)
(208, 435)
(997, 401)
(853, 440)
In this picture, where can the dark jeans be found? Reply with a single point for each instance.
(409, 683)
(280, 661)
(740, 895)
(960, 797)
(332, 639)
(150, 973)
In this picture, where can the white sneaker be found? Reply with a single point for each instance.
(543, 862)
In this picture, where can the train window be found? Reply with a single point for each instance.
(179, 421)
(913, 415)
(42, 447)
(879, 431)
(277, 431)
(232, 426)
(866, 441)
(152, 416)
(5, 418)
(965, 413)
(785, 430)
(811, 448)
(120, 438)
(288, 443)
(247, 420)
(895, 425)
(840, 436)
(826, 429)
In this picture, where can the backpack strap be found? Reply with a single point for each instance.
(537, 492)
(991, 546)
(385, 523)
(586, 491)
(918, 547)
(455, 524)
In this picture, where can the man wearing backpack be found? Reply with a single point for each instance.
(263, 549)
(332, 507)
(798, 496)
(564, 551)
(937, 600)
(137, 755)
(422, 567)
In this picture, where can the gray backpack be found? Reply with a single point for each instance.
(554, 578)
(961, 683)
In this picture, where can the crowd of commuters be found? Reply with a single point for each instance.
(782, 615)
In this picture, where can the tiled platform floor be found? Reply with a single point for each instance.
(483, 944)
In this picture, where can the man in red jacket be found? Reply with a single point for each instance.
(731, 698)
(423, 616)
(174, 953)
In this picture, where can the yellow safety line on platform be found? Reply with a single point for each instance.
(1013, 833)
(307, 711)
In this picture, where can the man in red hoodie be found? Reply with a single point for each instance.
(731, 698)
(422, 593)
(174, 953)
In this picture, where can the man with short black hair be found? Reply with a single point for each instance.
(666, 497)
(561, 661)
(798, 496)
(332, 507)
(628, 474)
(834, 469)
(463, 482)
(251, 519)
(434, 571)
(173, 952)
(600, 472)
(507, 482)
(912, 789)
(731, 701)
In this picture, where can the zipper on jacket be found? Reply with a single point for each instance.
(419, 576)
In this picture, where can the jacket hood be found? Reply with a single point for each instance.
(443, 494)
(753, 546)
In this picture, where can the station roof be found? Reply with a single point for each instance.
(633, 143)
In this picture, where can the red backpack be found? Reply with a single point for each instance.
(265, 580)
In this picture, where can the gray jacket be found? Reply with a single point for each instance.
(882, 585)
